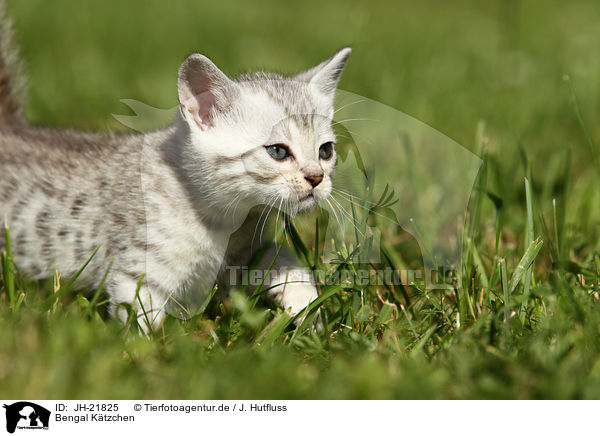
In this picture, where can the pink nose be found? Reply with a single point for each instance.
(314, 180)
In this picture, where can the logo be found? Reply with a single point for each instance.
(26, 415)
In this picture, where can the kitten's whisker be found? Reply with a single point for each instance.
(265, 220)
(341, 210)
(235, 200)
(270, 200)
(348, 215)
(343, 136)
(334, 213)
(261, 215)
(351, 196)
(368, 141)
(237, 204)
(347, 105)
(371, 210)
(353, 119)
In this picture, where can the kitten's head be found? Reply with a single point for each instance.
(261, 138)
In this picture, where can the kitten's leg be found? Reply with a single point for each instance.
(149, 304)
(292, 285)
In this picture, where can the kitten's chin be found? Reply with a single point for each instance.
(307, 202)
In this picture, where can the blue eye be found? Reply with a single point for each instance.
(277, 151)
(326, 151)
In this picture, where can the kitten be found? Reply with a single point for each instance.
(166, 203)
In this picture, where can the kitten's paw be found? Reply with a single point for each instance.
(295, 297)
(148, 321)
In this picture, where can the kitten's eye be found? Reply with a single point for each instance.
(277, 151)
(326, 151)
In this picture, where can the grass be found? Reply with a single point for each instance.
(525, 323)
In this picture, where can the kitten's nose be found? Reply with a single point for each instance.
(314, 180)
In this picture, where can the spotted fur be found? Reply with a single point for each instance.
(161, 203)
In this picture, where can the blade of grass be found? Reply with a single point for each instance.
(471, 228)
(391, 263)
(297, 242)
(256, 294)
(316, 257)
(50, 301)
(528, 241)
(506, 297)
(8, 272)
(94, 301)
(78, 273)
(355, 222)
(525, 263)
(274, 329)
(328, 292)
(139, 300)
(479, 265)
(207, 301)
(423, 340)
(555, 221)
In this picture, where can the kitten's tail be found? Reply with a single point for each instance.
(12, 78)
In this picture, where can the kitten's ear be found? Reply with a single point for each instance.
(204, 90)
(326, 75)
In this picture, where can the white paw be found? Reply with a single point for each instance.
(147, 320)
(294, 297)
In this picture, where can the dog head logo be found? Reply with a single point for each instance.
(26, 415)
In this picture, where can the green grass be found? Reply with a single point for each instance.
(526, 323)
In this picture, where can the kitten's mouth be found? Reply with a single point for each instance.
(306, 201)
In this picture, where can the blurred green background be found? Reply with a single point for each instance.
(449, 64)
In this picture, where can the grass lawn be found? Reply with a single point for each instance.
(517, 82)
